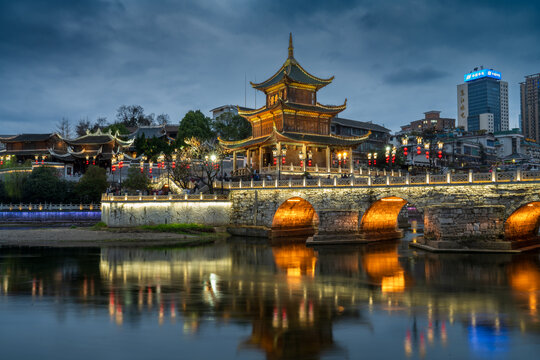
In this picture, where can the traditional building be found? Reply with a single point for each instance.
(31, 146)
(292, 130)
(93, 148)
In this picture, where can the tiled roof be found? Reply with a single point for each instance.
(360, 124)
(28, 137)
(292, 70)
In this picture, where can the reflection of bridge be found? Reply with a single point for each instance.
(498, 211)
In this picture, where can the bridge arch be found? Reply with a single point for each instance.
(382, 216)
(294, 217)
(524, 223)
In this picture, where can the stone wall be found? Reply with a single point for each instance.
(453, 226)
(125, 213)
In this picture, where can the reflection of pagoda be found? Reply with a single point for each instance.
(292, 126)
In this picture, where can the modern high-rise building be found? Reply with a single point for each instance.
(482, 93)
(530, 107)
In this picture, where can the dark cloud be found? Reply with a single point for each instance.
(79, 59)
(409, 76)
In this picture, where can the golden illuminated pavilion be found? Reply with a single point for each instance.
(292, 129)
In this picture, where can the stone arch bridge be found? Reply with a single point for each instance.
(496, 211)
(486, 216)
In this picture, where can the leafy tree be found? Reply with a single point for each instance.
(3, 193)
(45, 185)
(116, 127)
(133, 116)
(232, 127)
(92, 184)
(153, 147)
(136, 180)
(14, 186)
(195, 125)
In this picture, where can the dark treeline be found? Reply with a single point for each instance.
(45, 185)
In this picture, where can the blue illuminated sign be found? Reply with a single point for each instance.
(482, 74)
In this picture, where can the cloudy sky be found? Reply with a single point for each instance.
(393, 60)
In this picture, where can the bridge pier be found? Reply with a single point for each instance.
(337, 226)
(462, 227)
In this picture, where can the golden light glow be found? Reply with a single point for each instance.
(382, 215)
(295, 212)
(295, 260)
(382, 266)
(523, 223)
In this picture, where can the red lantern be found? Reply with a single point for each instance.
(393, 159)
(405, 151)
(113, 168)
(275, 161)
(418, 150)
(427, 154)
(301, 163)
(440, 154)
(309, 162)
(388, 159)
(142, 170)
(369, 162)
(173, 165)
(283, 161)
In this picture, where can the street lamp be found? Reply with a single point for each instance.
(120, 166)
(405, 142)
(301, 156)
(440, 145)
(279, 158)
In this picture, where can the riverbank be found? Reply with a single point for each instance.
(91, 237)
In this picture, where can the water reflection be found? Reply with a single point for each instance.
(296, 299)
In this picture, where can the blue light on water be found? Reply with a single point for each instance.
(488, 341)
(49, 215)
(482, 74)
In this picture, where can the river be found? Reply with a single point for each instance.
(247, 299)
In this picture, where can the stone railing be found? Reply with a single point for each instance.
(390, 180)
(50, 207)
(170, 197)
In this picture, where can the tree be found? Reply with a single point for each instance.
(82, 127)
(64, 128)
(153, 147)
(92, 185)
(133, 116)
(195, 125)
(204, 157)
(232, 127)
(116, 128)
(163, 119)
(45, 185)
(3, 193)
(85, 125)
(136, 180)
(14, 186)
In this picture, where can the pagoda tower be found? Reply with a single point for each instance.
(291, 131)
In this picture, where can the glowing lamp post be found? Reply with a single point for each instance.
(387, 154)
(369, 155)
(405, 142)
(120, 166)
(279, 158)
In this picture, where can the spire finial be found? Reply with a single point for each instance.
(291, 48)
